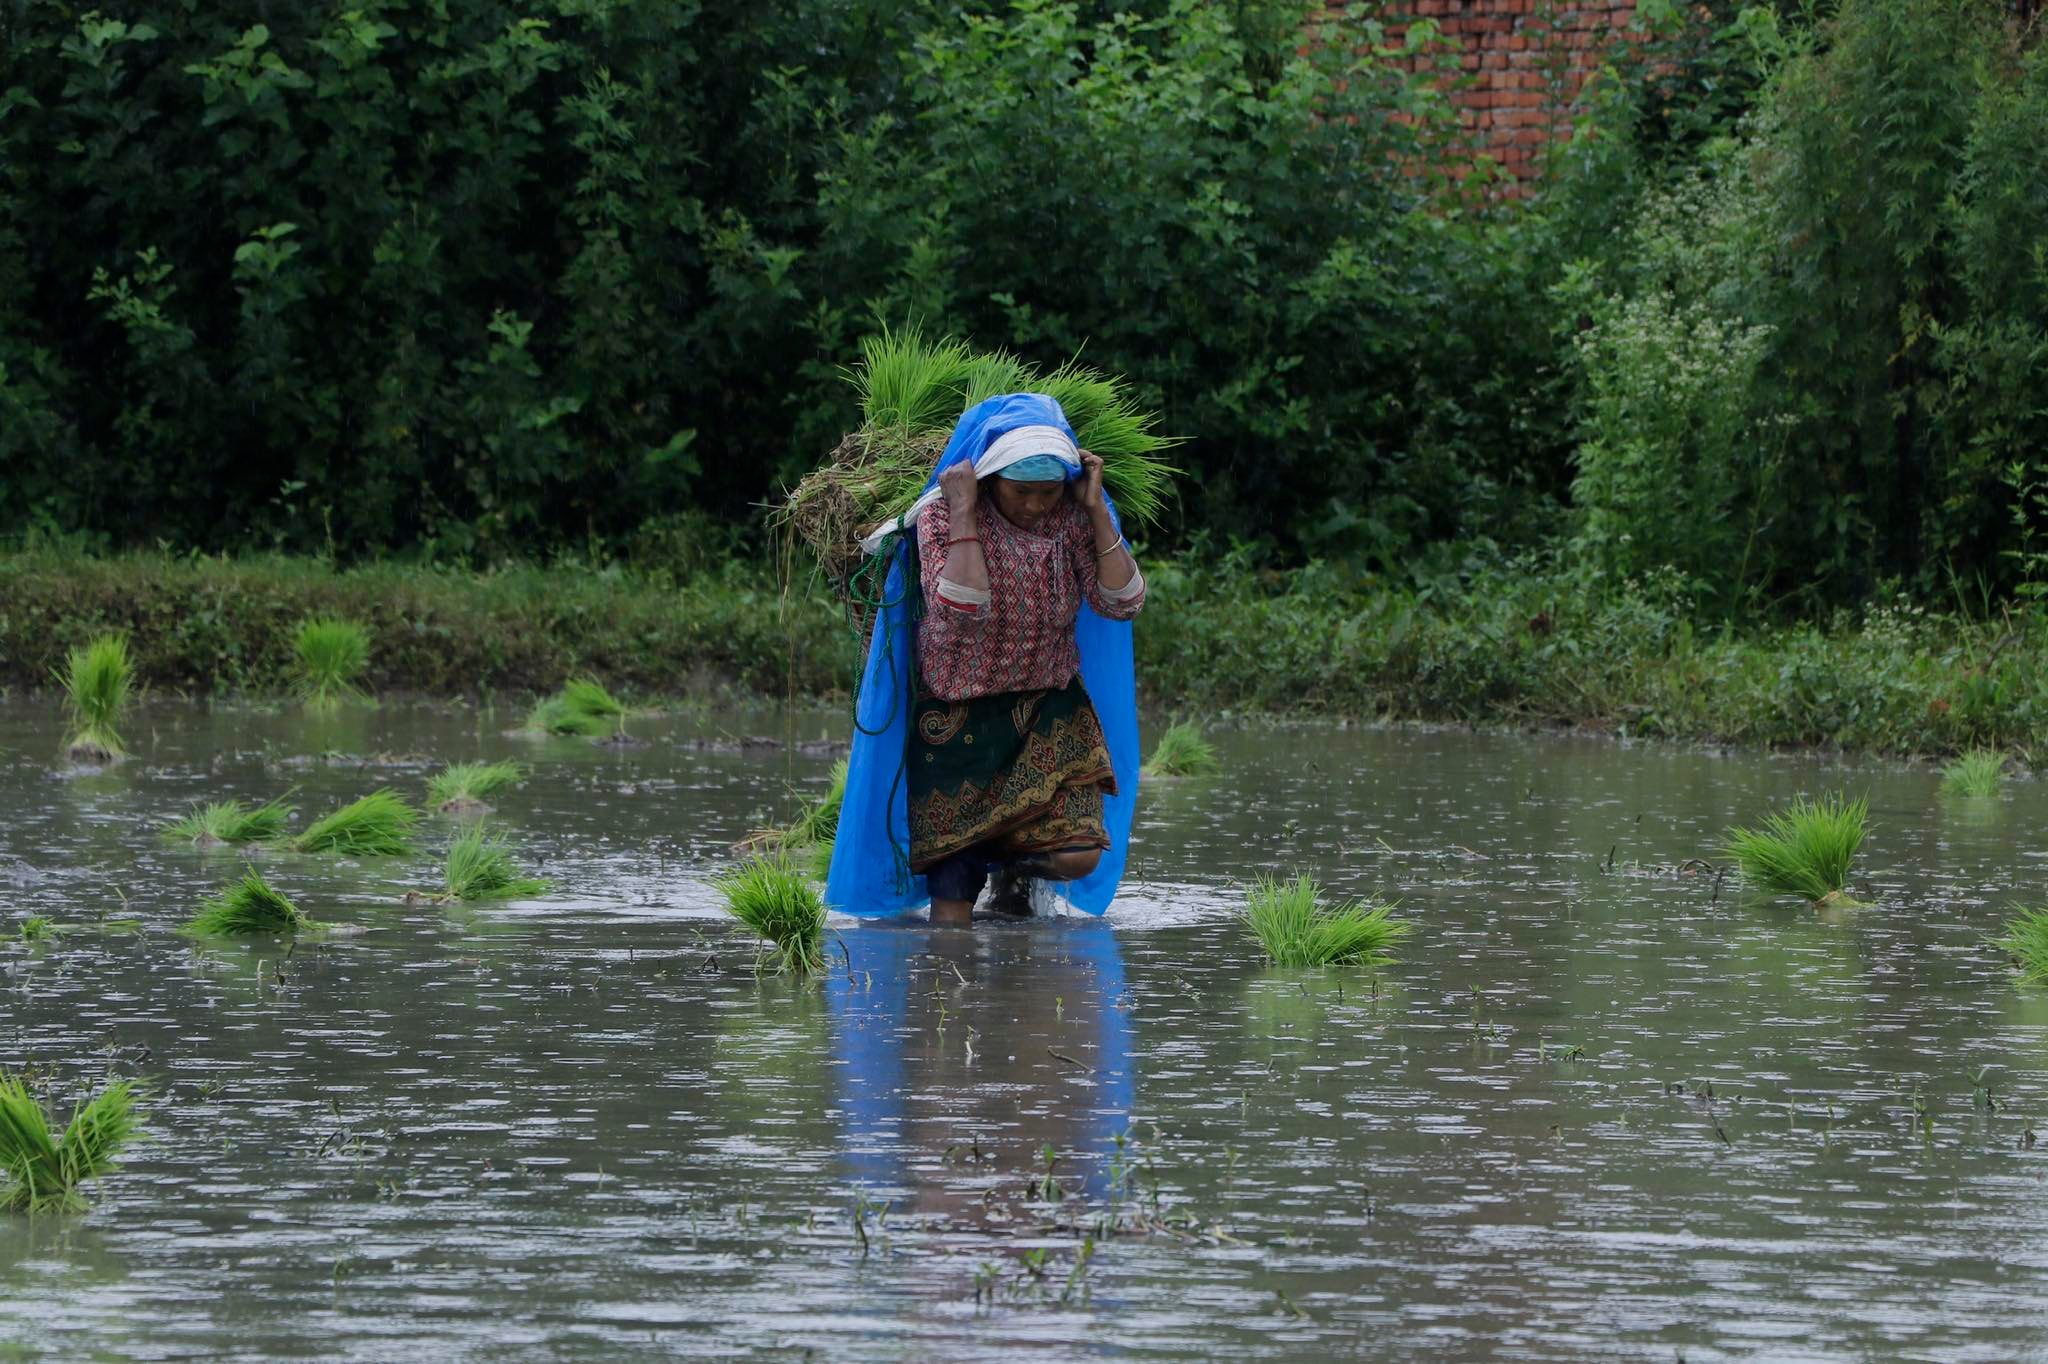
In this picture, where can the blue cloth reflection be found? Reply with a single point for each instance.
(905, 1094)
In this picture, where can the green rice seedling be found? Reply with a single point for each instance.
(480, 867)
(1804, 850)
(464, 785)
(772, 898)
(912, 384)
(379, 825)
(99, 681)
(250, 905)
(328, 657)
(37, 927)
(43, 1173)
(1181, 752)
(821, 861)
(583, 707)
(2026, 940)
(1297, 929)
(818, 822)
(230, 821)
(1976, 773)
(912, 391)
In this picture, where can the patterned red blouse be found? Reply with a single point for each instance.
(1022, 638)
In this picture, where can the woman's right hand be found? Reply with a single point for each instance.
(960, 488)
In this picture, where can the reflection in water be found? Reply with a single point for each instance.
(1013, 1039)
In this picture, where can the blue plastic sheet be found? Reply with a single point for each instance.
(870, 872)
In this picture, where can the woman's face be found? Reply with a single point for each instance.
(1026, 504)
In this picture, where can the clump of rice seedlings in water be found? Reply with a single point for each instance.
(230, 821)
(1181, 752)
(99, 681)
(582, 707)
(819, 820)
(328, 656)
(37, 927)
(1296, 928)
(1976, 773)
(772, 898)
(43, 1172)
(250, 905)
(464, 785)
(1805, 850)
(821, 861)
(2026, 940)
(379, 825)
(481, 868)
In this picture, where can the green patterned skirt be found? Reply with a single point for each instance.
(1020, 771)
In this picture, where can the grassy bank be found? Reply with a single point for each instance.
(1497, 648)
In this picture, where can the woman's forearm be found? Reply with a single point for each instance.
(1114, 566)
(964, 562)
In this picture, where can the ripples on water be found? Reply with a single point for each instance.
(580, 1128)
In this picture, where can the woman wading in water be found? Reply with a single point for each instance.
(1008, 766)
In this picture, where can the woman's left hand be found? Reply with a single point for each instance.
(1088, 492)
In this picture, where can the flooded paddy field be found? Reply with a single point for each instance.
(1607, 1105)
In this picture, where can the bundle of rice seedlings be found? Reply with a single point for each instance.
(583, 707)
(98, 681)
(481, 868)
(771, 897)
(43, 1173)
(1181, 752)
(463, 786)
(1296, 928)
(912, 391)
(2026, 939)
(1804, 851)
(250, 905)
(1976, 773)
(230, 821)
(37, 927)
(378, 825)
(821, 861)
(328, 657)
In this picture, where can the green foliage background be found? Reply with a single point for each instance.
(469, 280)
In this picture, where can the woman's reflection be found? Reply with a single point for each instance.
(961, 1055)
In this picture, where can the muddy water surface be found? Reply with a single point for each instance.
(1602, 1109)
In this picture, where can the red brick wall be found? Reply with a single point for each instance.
(1522, 61)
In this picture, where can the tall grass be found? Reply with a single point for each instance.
(1181, 752)
(99, 682)
(1296, 928)
(480, 867)
(1976, 773)
(467, 784)
(379, 825)
(583, 707)
(250, 905)
(43, 1173)
(1805, 850)
(230, 821)
(772, 898)
(2026, 939)
(328, 658)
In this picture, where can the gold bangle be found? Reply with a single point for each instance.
(1101, 554)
